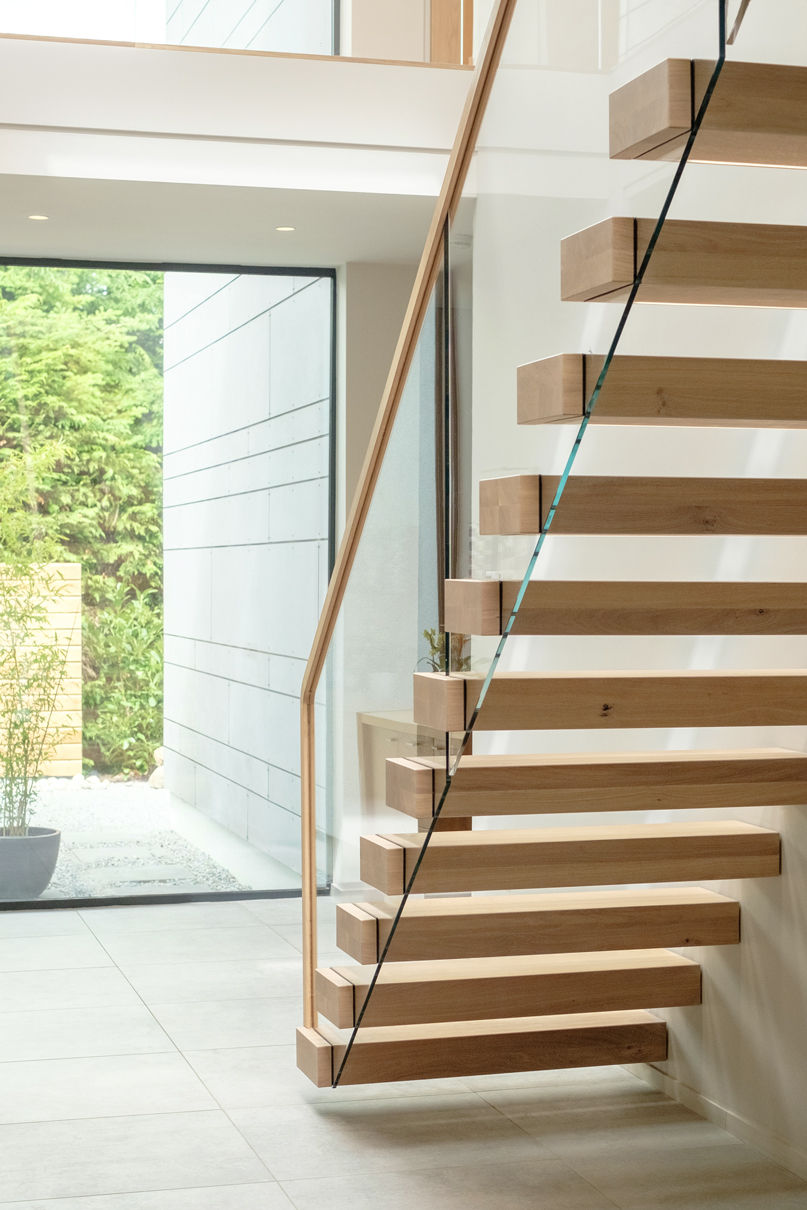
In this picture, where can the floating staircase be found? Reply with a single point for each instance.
(532, 967)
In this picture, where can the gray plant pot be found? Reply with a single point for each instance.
(27, 862)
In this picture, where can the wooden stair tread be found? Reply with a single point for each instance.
(483, 607)
(597, 781)
(436, 1050)
(706, 263)
(550, 901)
(563, 922)
(640, 504)
(635, 698)
(480, 988)
(585, 835)
(459, 969)
(556, 857)
(697, 391)
(754, 115)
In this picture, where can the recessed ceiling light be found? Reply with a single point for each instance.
(285, 228)
(38, 218)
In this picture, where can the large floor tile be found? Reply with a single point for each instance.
(121, 1155)
(276, 911)
(194, 981)
(260, 1076)
(520, 1185)
(155, 917)
(608, 1124)
(236, 944)
(573, 1082)
(231, 1197)
(117, 1085)
(80, 1032)
(381, 1136)
(698, 1178)
(51, 953)
(90, 987)
(217, 1024)
(51, 922)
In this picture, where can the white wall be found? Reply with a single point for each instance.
(386, 29)
(373, 300)
(543, 174)
(247, 416)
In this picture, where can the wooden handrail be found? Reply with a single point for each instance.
(428, 270)
(740, 18)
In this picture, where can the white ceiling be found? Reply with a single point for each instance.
(206, 224)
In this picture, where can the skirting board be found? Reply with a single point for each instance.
(757, 1136)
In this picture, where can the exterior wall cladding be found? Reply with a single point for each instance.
(247, 416)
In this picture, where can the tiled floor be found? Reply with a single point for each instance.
(146, 1063)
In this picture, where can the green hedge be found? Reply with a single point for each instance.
(81, 397)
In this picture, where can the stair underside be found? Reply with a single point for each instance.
(517, 701)
(639, 504)
(734, 264)
(474, 989)
(664, 390)
(641, 781)
(564, 922)
(483, 607)
(570, 857)
(755, 115)
(424, 1052)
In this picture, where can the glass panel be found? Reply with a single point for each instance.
(389, 627)
(291, 26)
(173, 473)
(541, 173)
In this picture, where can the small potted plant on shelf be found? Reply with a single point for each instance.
(32, 672)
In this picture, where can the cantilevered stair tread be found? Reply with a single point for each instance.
(537, 701)
(483, 607)
(473, 989)
(563, 922)
(714, 391)
(707, 263)
(598, 781)
(525, 859)
(463, 1048)
(640, 504)
(755, 115)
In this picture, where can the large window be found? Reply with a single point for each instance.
(291, 26)
(165, 447)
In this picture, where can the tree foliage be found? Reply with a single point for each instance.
(81, 386)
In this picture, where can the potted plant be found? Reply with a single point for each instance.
(32, 671)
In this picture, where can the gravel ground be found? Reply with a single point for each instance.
(117, 840)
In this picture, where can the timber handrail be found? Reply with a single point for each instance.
(428, 270)
(740, 18)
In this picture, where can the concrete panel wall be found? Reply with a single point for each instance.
(247, 419)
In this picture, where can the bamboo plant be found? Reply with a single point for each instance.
(32, 659)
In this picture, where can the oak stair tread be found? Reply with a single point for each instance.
(483, 607)
(755, 115)
(705, 263)
(641, 504)
(457, 1048)
(523, 859)
(597, 781)
(553, 922)
(637, 698)
(693, 391)
(483, 988)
